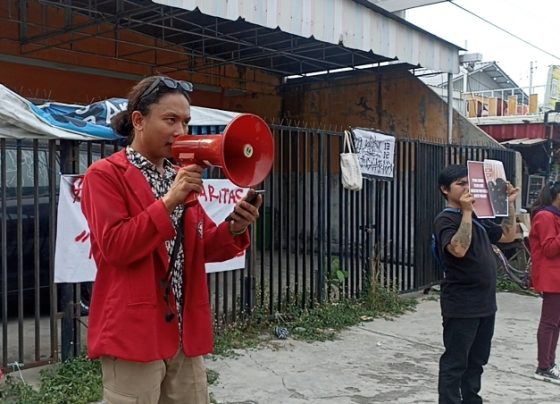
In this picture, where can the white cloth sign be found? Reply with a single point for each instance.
(377, 153)
(72, 258)
(218, 200)
(73, 261)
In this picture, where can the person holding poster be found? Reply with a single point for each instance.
(544, 241)
(468, 290)
(150, 320)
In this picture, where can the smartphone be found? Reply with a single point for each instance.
(251, 198)
(252, 195)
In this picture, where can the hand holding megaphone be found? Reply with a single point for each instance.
(245, 151)
(188, 181)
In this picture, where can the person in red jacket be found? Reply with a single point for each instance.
(150, 320)
(544, 241)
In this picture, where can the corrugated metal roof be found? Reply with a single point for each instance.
(401, 5)
(355, 24)
(498, 77)
(523, 142)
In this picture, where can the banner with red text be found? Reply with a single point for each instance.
(73, 261)
(218, 200)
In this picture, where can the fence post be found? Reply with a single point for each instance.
(247, 304)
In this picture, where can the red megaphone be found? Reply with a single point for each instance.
(245, 151)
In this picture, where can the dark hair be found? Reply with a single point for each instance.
(547, 195)
(138, 101)
(449, 174)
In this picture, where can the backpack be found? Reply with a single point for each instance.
(435, 253)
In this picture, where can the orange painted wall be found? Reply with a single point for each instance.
(392, 101)
(55, 85)
(129, 56)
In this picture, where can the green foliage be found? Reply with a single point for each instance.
(75, 381)
(16, 391)
(239, 335)
(386, 301)
(504, 284)
(335, 279)
(324, 321)
(310, 321)
(337, 275)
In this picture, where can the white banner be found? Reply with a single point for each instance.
(218, 200)
(73, 261)
(377, 153)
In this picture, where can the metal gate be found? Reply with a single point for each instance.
(310, 230)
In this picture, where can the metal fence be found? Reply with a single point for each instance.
(310, 233)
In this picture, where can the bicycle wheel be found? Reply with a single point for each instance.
(519, 274)
(520, 261)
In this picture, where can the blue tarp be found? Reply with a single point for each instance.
(93, 119)
(21, 119)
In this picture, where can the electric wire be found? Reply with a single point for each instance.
(503, 29)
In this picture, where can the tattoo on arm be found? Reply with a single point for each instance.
(461, 240)
(509, 222)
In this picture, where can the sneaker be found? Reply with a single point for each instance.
(548, 375)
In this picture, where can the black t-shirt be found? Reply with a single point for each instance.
(469, 287)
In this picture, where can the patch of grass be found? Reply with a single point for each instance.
(75, 381)
(504, 284)
(317, 322)
(239, 335)
(15, 391)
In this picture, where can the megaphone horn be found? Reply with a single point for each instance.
(245, 151)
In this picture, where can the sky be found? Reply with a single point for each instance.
(536, 21)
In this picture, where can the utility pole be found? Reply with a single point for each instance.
(530, 78)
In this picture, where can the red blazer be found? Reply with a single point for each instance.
(544, 240)
(128, 232)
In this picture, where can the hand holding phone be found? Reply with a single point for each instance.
(252, 195)
(251, 198)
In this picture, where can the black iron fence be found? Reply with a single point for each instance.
(314, 241)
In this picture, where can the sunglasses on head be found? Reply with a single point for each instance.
(172, 84)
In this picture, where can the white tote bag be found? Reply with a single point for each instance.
(351, 174)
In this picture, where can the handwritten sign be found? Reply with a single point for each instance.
(377, 153)
(218, 200)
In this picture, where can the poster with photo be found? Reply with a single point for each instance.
(496, 183)
(477, 184)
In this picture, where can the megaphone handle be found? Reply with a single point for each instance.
(191, 199)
